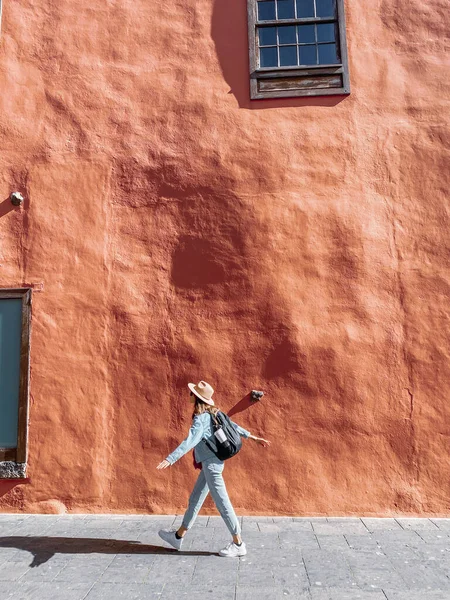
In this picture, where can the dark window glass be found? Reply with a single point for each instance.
(288, 56)
(305, 8)
(268, 57)
(266, 11)
(327, 54)
(286, 35)
(308, 55)
(306, 34)
(285, 9)
(268, 36)
(10, 340)
(325, 8)
(325, 32)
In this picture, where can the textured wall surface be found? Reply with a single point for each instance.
(182, 232)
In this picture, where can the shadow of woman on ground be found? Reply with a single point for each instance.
(43, 548)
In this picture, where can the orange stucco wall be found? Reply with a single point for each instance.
(182, 232)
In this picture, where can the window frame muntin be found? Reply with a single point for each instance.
(20, 453)
(257, 73)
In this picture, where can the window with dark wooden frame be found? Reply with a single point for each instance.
(15, 314)
(297, 48)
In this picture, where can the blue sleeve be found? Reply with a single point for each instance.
(243, 432)
(194, 437)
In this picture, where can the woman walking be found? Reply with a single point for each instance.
(210, 478)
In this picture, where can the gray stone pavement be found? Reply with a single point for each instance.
(111, 557)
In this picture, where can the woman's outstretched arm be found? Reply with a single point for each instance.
(194, 436)
(247, 435)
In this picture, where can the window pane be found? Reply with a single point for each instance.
(327, 54)
(268, 36)
(288, 56)
(325, 8)
(306, 34)
(10, 338)
(325, 32)
(268, 57)
(285, 9)
(286, 35)
(266, 11)
(308, 55)
(305, 8)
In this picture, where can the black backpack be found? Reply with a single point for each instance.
(232, 442)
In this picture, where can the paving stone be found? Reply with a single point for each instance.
(220, 576)
(7, 553)
(343, 594)
(177, 568)
(269, 527)
(410, 538)
(435, 536)
(30, 527)
(291, 576)
(373, 524)
(189, 592)
(46, 571)
(344, 520)
(355, 527)
(332, 542)
(50, 591)
(373, 571)
(102, 523)
(400, 551)
(124, 591)
(255, 575)
(416, 595)
(418, 575)
(297, 526)
(249, 526)
(7, 528)
(443, 524)
(310, 519)
(81, 572)
(247, 592)
(299, 539)
(372, 579)
(327, 569)
(417, 524)
(433, 552)
(362, 542)
(13, 571)
(7, 589)
(129, 569)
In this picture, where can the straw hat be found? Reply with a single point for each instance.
(203, 391)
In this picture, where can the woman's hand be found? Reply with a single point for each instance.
(261, 441)
(163, 465)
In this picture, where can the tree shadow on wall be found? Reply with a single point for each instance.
(230, 34)
(44, 548)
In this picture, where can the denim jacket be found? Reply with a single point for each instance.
(200, 431)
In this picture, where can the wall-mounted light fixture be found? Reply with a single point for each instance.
(16, 198)
(256, 396)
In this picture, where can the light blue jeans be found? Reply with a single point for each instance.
(211, 480)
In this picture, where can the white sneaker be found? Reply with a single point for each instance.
(233, 550)
(170, 538)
